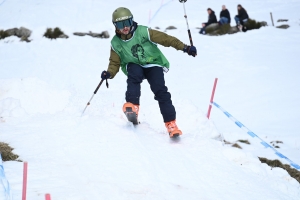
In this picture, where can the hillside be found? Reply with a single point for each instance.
(45, 85)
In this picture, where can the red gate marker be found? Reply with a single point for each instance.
(25, 167)
(47, 197)
(212, 98)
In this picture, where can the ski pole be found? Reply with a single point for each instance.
(185, 16)
(94, 94)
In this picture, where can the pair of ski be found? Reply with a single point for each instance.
(132, 117)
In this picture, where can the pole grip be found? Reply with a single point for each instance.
(190, 36)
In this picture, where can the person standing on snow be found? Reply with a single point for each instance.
(134, 49)
(211, 19)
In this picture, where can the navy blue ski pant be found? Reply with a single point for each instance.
(155, 77)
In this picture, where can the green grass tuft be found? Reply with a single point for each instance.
(224, 29)
(3, 34)
(252, 24)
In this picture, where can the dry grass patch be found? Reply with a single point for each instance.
(244, 141)
(236, 146)
(276, 163)
(54, 34)
(3, 34)
(6, 152)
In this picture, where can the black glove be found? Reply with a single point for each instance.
(105, 75)
(190, 50)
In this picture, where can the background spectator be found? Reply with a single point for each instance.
(224, 16)
(211, 19)
(242, 16)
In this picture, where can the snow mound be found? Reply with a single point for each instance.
(32, 96)
(10, 107)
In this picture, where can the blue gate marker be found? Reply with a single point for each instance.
(249, 132)
(4, 181)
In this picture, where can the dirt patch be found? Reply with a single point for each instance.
(283, 26)
(276, 144)
(54, 34)
(170, 28)
(6, 152)
(282, 20)
(236, 146)
(244, 141)
(276, 163)
(217, 30)
(3, 34)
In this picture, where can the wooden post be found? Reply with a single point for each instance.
(272, 18)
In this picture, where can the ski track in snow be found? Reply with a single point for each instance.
(137, 164)
(44, 86)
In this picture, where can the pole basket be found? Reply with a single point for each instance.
(182, 1)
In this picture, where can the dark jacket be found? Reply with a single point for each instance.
(211, 18)
(155, 36)
(242, 14)
(225, 13)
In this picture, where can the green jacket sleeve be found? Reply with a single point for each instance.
(114, 63)
(165, 39)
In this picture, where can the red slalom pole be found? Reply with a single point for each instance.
(25, 168)
(47, 197)
(212, 98)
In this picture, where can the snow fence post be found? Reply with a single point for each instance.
(212, 98)
(47, 197)
(272, 18)
(25, 168)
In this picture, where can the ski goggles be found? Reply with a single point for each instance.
(125, 23)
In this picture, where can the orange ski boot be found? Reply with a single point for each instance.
(131, 111)
(173, 129)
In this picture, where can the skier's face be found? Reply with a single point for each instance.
(223, 7)
(125, 30)
(209, 12)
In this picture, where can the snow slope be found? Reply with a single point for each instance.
(44, 86)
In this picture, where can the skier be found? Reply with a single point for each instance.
(134, 49)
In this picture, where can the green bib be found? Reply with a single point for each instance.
(139, 50)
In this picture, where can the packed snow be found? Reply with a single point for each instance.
(45, 85)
